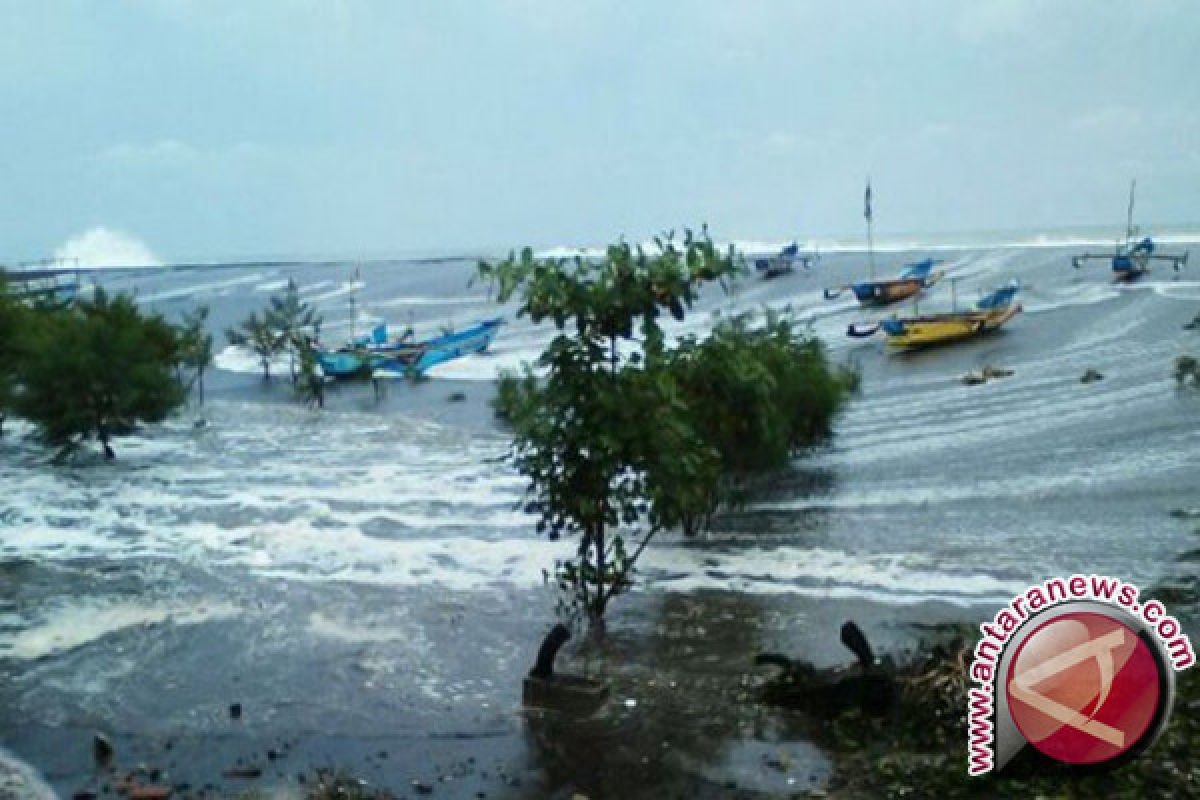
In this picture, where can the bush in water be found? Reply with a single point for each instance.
(622, 432)
(97, 369)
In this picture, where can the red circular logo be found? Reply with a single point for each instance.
(1083, 688)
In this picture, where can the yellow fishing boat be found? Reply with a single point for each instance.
(989, 313)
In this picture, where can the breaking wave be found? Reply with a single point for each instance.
(101, 247)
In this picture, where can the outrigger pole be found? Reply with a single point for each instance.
(1130, 232)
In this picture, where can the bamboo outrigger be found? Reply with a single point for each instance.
(1131, 258)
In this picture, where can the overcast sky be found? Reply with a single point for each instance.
(230, 128)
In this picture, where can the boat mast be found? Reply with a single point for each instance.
(354, 310)
(1129, 230)
(870, 239)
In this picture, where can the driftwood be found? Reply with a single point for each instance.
(544, 667)
(868, 684)
(986, 374)
(573, 694)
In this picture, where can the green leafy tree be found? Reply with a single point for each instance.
(618, 432)
(310, 384)
(285, 322)
(293, 319)
(258, 335)
(600, 437)
(756, 394)
(196, 348)
(98, 370)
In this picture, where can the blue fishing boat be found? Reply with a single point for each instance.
(364, 355)
(912, 279)
(783, 262)
(1131, 258)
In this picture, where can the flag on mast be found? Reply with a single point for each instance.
(867, 202)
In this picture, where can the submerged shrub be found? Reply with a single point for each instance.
(98, 370)
(618, 431)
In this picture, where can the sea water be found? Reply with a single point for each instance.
(362, 578)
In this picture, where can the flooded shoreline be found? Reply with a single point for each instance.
(361, 580)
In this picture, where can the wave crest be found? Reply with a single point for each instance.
(100, 247)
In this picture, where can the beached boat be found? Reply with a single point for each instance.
(912, 279)
(989, 313)
(363, 356)
(783, 262)
(1131, 258)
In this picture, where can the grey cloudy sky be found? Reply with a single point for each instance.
(229, 128)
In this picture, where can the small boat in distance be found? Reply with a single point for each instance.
(364, 355)
(911, 280)
(1131, 259)
(989, 313)
(784, 261)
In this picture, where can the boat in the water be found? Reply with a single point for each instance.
(783, 262)
(912, 279)
(363, 356)
(1131, 258)
(989, 313)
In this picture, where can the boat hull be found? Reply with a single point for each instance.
(936, 329)
(882, 293)
(415, 358)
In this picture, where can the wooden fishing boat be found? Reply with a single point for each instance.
(989, 313)
(912, 279)
(1131, 259)
(363, 356)
(783, 262)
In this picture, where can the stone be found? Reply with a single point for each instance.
(102, 749)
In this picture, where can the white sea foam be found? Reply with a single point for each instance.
(75, 625)
(233, 358)
(414, 300)
(101, 247)
(198, 289)
(341, 291)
